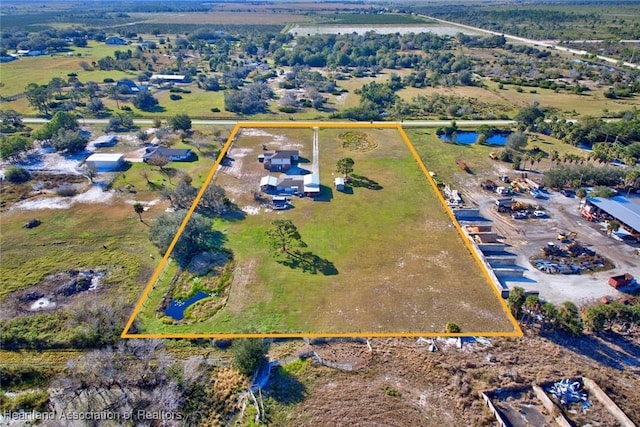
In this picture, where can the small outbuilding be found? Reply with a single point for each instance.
(105, 162)
(127, 86)
(174, 78)
(338, 184)
(268, 183)
(312, 185)
(105, 141)
(118, 41)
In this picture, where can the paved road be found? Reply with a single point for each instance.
(405, 123)
(84, 121)
(535, 42)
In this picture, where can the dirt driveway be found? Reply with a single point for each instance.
(527, 237)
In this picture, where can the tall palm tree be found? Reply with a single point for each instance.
(139, 209)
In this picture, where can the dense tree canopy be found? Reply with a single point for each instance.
(180, 122)
(251, 99)
(249, 355)
(345, 166)
(196, 237)
(144, 101)
(38, 97)
(61, 120)
(11, 120)
(69, 141)
(12, 147)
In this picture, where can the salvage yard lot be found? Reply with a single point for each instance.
(388, 258)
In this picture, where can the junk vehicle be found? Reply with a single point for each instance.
(620, 280)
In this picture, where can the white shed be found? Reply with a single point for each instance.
(338, 183)
(103, 162)
(312, 184)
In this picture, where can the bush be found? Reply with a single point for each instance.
(215, 110)
(248, 355)
(29, 401)
(24, 376)
(17, 174)
(66, 190)
(452, 328)
(175, 97)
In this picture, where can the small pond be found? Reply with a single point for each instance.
(469, 137)
(177, 307)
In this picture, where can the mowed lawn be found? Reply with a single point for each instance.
(388, 258)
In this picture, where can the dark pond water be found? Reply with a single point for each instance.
(177, 307)
(469, 137)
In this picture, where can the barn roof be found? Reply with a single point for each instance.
(621, 208)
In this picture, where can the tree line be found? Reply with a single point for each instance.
(568, 318)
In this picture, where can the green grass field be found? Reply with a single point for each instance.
(389, 259)
(74, 239)
(371, 19)
(41, 69)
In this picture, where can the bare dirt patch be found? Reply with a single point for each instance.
(402, 383)
(53, 292)
(241, 292)
(95, 194)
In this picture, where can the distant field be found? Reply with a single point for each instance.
(337, 27)
(590, 103)
(397, 258)
(226, 18)
(371, 19)
(41, 69)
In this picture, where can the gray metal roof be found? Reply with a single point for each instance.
(621, 208)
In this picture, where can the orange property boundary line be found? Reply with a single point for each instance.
(517, 332)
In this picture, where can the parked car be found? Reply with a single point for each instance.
(519, 215)
(540, 214)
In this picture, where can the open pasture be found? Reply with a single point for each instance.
(382, 257)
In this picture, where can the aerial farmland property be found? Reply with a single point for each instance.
(294, 213)
(382, 255)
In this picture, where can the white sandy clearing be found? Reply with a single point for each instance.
(146, 205)
(93, 195)
(251, 210)
(42, 304)
(255, 132)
